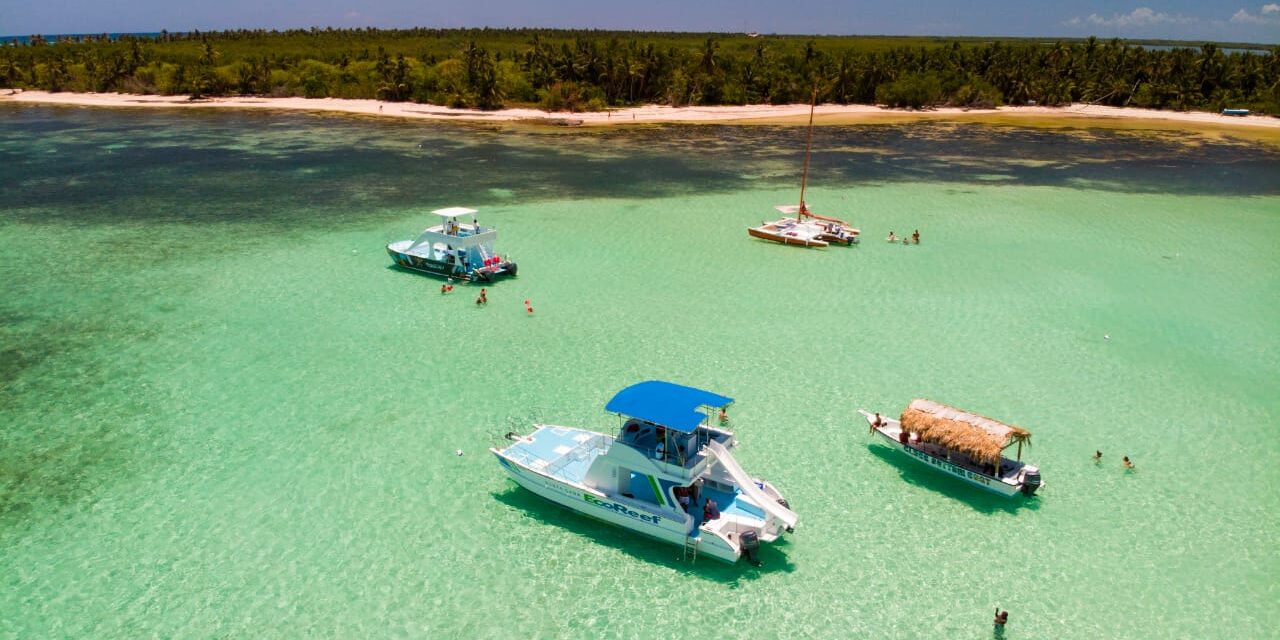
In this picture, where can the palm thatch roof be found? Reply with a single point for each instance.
(980, 437)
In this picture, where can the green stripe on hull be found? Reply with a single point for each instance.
(657, 493)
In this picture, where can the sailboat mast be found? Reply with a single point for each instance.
(808, 144)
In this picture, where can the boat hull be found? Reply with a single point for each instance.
(451, 270)
(615, 511)
(785, 239)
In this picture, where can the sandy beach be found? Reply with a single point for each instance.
(1263, 127)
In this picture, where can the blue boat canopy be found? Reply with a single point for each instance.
(665, 403)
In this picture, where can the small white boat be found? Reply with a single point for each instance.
(960, 444)
(668, 474)
(454, 249)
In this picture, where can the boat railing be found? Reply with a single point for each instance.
(1008, 469)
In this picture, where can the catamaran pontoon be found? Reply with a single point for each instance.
(962, 445)
(454, 249)
(668, 473)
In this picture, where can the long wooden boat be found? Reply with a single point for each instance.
(960, 444)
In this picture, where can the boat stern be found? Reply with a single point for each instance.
(1031, 481)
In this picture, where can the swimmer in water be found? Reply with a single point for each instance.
(892, 237)
(1097, 457)
(1127, 463)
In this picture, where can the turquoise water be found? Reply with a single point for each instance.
(223, 414)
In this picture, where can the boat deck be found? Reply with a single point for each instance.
(792, 229)
(559, 451)
(729, 504)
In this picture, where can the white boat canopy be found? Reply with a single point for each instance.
(454, 212)
(789, 209)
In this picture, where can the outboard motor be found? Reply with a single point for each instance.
(511, 268)
(750, 545)
(1030, 480)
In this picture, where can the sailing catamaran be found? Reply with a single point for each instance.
(806, 228)
(668, 473)
(961, 444)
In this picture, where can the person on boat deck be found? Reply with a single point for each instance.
(710, 511)
(879, 422)
(724, 417)
(682, 497)
(660, 451)
(903, 436)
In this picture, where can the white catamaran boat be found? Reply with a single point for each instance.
(668, 474)
(454, 249)
(804, 227)
(960, 444)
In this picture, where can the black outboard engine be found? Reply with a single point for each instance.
(750, 546)
(1030, 480)
(511, 268)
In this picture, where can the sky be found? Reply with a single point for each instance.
(1220, 20)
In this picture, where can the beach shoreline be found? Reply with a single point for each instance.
(1073, 115)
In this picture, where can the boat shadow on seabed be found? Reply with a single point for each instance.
(979, 500)
(772, 558)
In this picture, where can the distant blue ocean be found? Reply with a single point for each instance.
(50, 37)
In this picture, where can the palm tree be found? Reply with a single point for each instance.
(208, 55)
(12, 72)
(710, 60)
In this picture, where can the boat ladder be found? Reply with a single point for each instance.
(691, 548)
(484, 254)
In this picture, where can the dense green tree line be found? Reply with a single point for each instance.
(590, 70)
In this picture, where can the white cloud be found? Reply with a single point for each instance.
(1140, 17)
(1244, 17)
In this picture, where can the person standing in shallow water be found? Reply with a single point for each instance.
(1002, 617)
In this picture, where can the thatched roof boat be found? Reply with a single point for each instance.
(962, 444)
(978, 436)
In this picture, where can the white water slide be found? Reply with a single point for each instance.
(787, 516)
